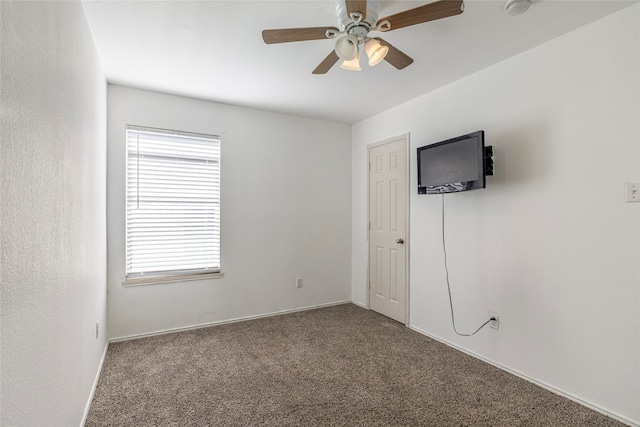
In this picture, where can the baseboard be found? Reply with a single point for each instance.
(529, 379)
(359, 304)
(95, 384)
(224, 322)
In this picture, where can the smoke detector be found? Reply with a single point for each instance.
(517, 7)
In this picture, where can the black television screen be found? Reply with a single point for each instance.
(457, 164)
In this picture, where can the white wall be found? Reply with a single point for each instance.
(53, 194)
(549, 244)
(285, 213)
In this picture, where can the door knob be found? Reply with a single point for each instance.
(400, 241)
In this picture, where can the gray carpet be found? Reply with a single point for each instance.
(335, 366)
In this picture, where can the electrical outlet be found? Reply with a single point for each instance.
(298, 282)
(97, 329)
(495, 324)
(632, 191)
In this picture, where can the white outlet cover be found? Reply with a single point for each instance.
(494, 324)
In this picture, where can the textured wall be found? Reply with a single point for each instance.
(549, 244)
(285, 213)
(53, 171)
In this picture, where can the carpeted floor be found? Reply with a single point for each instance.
(335, 366)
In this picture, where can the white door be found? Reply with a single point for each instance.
(388, 228)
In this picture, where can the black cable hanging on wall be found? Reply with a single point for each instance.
(446, 269)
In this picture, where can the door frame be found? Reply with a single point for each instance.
(407, 241)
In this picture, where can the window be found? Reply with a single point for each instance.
(173, 203)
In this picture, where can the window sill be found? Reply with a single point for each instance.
(156, 280)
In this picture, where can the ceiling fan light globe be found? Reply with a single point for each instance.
(347, 47)
(375, 51)
(353, 65)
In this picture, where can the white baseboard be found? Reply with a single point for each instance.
(95, 384)
(531, 380)
(224, 322)
(359, 304)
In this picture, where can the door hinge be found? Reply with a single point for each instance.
(369, 225)
(369, 284)
(369, 165)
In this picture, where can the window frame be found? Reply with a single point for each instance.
(166, 275)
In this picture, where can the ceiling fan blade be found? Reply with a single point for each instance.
(327, 63)
(296, 34)
(395, 57)
(428, 12)
(357, 6)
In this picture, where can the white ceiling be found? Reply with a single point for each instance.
(213, 50)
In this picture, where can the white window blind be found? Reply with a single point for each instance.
(173, 202)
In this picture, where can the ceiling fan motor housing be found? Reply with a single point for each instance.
(360, 31)
(373, 6)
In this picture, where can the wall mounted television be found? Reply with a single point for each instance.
(457, 164)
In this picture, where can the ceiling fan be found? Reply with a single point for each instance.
(357, 19)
